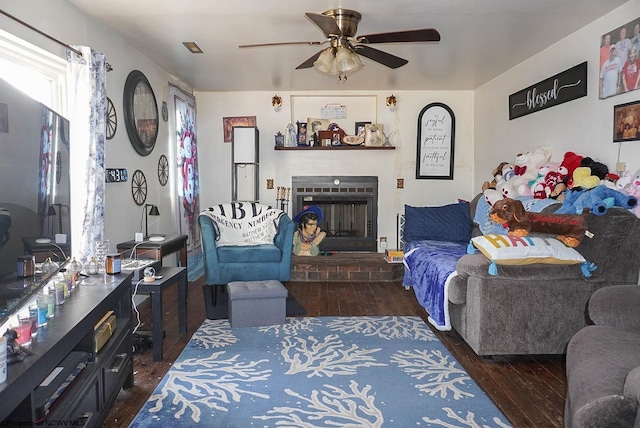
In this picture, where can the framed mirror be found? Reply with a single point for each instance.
(140, 113)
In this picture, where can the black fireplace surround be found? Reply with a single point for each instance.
(349, 206)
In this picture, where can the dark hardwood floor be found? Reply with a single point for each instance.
(530, 390)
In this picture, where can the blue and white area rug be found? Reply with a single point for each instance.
(318, 372)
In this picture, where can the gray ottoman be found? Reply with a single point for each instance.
(254, 303)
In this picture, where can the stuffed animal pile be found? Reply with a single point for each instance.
(579, 182)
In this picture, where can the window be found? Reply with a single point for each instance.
(34, 71)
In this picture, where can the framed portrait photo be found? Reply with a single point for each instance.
(359, 131)
(619, 60)
(314, 126)
(373, 135)
(626, 122)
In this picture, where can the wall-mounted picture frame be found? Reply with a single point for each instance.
(617, 73)
(436, 142)
(626, 122)
(359, 130)
(229, 122)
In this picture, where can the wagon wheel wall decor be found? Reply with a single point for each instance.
(112, 119)
(163, 170)
(139, 187)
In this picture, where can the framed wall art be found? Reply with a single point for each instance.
(436, 142)
(229, 122)
(565, 86)
(626, 122)
(619, 60)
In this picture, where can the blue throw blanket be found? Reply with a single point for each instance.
(430, 265)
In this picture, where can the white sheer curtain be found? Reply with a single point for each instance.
(86, 92)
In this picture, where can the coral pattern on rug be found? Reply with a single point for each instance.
(318, 372)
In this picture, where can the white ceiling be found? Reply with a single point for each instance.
(480, 39)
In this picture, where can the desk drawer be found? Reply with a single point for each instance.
(119, 362)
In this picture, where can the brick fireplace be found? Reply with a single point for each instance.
(349, 205)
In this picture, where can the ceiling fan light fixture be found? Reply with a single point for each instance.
(347, 61)
(326, 62)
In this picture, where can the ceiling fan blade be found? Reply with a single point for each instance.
(383, 58)
(424, 35)
(326, 24)
(257, 45)
(309, 62)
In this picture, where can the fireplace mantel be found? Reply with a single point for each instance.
(342, 147)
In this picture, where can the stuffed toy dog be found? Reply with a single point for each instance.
(568, 228)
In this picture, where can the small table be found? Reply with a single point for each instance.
(57, 252)
(156, 250)
(170, 276)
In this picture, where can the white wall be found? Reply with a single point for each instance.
(584, 126)
(63, 21)
(215, 155)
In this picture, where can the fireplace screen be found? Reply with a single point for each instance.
(349, 206)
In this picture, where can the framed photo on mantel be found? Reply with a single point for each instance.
(436, 142)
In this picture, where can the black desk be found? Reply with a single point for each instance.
(42, 251)
(157, 250)
(170, 276)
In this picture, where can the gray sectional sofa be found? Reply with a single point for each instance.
(603, 362)
(536, 309)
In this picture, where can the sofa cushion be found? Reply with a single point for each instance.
(599, 360)
(513, 250)
(249, 254)
(444, 223)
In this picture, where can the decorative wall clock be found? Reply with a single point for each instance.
(139, 187)
(112, 119)
(163, 170)
(140, 113)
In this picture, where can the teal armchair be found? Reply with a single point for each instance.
(223, 264)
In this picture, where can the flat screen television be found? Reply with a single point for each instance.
(34, 190)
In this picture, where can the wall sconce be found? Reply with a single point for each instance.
(391, 102)
(276, 102)
(153, 211)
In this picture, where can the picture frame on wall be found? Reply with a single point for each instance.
(436, 142)
(229, 122)
(626, 122)
(617, 71)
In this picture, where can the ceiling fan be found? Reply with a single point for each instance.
(340, 27)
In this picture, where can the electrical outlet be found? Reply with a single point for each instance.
(400, 183)
(269, 183)
(383, 242)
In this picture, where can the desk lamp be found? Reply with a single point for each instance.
(153, 211)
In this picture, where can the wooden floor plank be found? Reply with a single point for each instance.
(529, 390)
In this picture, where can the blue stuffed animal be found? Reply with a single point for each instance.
(598, 200)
